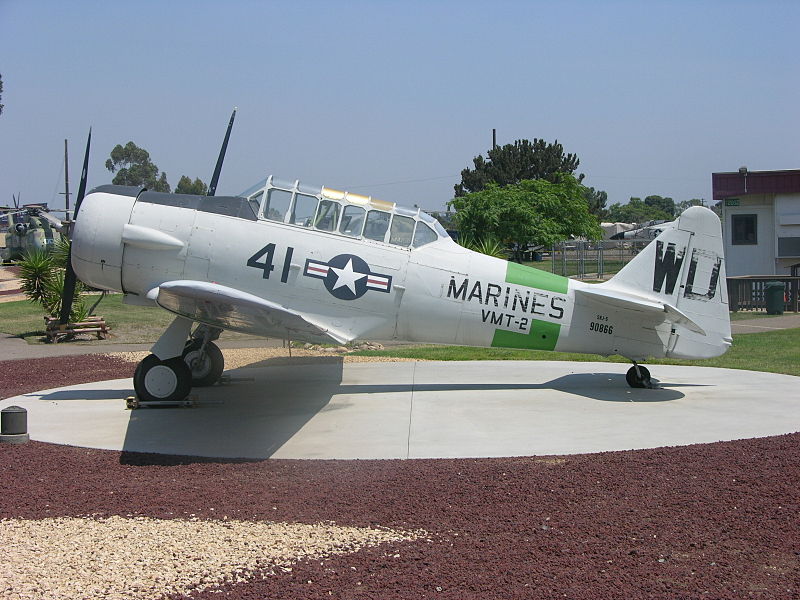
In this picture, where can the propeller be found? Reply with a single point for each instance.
(69, 276)
(212, 187)
(16, 201)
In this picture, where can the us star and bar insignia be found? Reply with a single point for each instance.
(347, 276)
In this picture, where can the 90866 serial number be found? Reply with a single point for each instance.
(601, 327)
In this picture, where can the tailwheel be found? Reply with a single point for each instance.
(206, 364)
(157, 380)
(638, 377)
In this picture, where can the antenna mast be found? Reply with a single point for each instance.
(66, 178)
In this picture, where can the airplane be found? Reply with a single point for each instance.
(647, 232)
(309, 263)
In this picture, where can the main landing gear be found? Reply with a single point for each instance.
(168, 374)
(639, 377)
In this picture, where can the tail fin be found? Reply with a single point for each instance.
(683, 270)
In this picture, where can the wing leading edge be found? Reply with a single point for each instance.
(228, 308)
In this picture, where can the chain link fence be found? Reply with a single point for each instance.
(588, 260)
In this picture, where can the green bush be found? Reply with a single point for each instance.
(489, 246)
(42, 281)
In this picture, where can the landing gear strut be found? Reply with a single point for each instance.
(638, 376)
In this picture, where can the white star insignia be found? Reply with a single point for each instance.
(347, 277)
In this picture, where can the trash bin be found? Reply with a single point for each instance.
(14, 425)
(537, 256)
(773, 292)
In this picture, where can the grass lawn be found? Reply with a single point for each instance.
(129, 324)
(774, 351)
(744, 315)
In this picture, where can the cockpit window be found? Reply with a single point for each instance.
(304, 209)
(402, 230)
(377, 224)
(424, 235)
(278, 202)
(327, 215)
(352, 221)
(255, 202)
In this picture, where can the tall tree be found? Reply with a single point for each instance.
(512, 163)
(667, 205)
(1, 93)
(187, 186)
(133, 166)
(536, 212)
(684, 204)
(636, 211)
(596, 200)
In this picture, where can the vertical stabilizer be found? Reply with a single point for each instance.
(684, 268)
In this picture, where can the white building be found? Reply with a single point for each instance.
(760, 221)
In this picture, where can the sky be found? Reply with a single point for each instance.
(394, 99)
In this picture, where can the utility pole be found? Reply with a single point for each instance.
(494, 139)
(66, 178)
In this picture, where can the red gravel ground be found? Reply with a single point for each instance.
(713, 521)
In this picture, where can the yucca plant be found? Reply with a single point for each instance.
(60, 252)
(42, 281)
(36, 269)
(489, 246)
(54, 287)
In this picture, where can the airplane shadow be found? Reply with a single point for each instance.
(251, 420)
(99, 394)
(607, 387)
(244, 421)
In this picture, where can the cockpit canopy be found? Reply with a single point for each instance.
(342, 213)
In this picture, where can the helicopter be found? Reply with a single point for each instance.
(26, 228)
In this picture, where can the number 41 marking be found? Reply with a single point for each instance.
(267, 267)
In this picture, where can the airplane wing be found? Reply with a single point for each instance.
(229, 308)
(627, 300)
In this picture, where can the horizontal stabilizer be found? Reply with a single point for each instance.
(228, 308)
(626, 300)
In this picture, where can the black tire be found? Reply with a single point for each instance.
(635, 380)
(209, 370)
(167, 381)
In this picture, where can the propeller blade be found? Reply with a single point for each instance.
(84, 173)
(212, 188)
(69, 276)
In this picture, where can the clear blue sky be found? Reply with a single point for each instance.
(393, 99)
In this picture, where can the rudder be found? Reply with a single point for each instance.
(685, 268)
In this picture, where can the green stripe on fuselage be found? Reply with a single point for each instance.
(535, 278)
(543, 334)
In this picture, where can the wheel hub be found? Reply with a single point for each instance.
(199, 363)
(160, 381)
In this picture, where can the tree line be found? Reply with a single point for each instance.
(652, 208)
(525, 193)
(132, 165)
(529, 193)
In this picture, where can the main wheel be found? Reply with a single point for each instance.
(206, 366)
(635, 380)
(162, 380)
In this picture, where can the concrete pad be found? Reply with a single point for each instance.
(425, 410)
